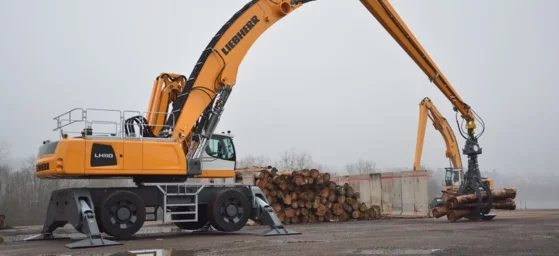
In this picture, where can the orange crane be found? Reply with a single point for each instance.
(160, 159)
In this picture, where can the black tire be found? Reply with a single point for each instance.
(122, 214)
(228, 210)
(202, 219)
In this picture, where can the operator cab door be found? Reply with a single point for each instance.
(219, 155)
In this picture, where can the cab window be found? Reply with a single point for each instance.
(221, 147)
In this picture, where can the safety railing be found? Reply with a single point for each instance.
(108, 123)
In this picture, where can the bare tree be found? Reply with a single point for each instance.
(361, 167)
(4, 152)
(250, 160)
(294, 160)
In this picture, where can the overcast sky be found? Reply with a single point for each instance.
(327, 79)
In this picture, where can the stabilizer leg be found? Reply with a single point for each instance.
(76, 207)
(264, 214)
(269, 217)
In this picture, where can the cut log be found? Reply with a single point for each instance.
(277, 207)
(347, 208)
(314, 173)
(281, 216)
(319, 180)
(324, 193)
(332, 186)
(337, 209)
(349, 192)
(264, 174)
(328, 216)
(287, 199)
(355, 214)
(294, 204)
(439, 211)
(340, 199)
(283, 185)
(363, 207)
(295, 219)
(454, 215)
(298, 180)
(294, 196)
(301, 203)
(472, 198)
(340, 191)
(332, 197)
(309, 180)
(326, 177)
(506, 204)
(289, 212)
(321, 210)
(315, 204)
(270, 198)
(308, 204)
(344, 217)
(354, 205)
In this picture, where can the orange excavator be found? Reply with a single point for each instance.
(169, 144)
(454, 175)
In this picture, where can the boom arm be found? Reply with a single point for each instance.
(391, 21)
(427, 109)
(217, 67)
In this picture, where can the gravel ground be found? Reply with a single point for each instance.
(520, 232)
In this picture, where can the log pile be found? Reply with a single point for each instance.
(458, 206)
(308, 196)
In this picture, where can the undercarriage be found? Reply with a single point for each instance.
(120, 212)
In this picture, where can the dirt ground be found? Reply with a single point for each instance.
(520, 232)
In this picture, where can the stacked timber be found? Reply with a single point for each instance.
(457, 206)
(309, 196)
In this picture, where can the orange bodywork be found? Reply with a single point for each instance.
(73, 159)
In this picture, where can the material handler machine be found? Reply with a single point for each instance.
(454, 175)
(168, 147)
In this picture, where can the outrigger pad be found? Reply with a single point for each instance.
(488, 216)
(279, 232)
(91, 242)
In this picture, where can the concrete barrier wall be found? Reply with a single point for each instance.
(397, 193)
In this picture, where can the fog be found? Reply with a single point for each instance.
(327, 79)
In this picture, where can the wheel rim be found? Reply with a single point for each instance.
(231, 210)
(123, 214)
